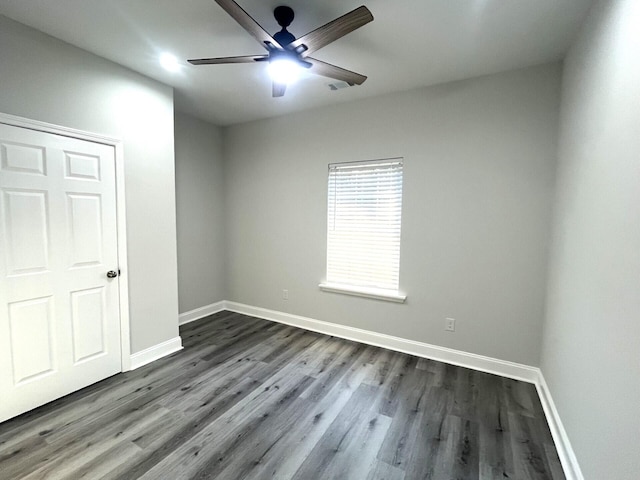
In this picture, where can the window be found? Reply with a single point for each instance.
(363, 228)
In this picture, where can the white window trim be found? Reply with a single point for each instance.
(375, 293)
(356, 289)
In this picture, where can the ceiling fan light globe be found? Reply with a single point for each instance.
(283, 71)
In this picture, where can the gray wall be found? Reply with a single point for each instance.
(479, 178)
(591, 348)
(44, 79)
(200, 212)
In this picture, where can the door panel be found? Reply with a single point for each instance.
(30, 323)
(23, 158)
(89, 323)
(59, 313)
(83, 167)
(26, 223)
(85, 229)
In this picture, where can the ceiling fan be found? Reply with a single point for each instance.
(285, 52)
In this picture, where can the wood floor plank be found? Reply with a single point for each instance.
(182, 432)
(384, 370)
(95, 399)
(360, 447)
(13, 461)
(328, 458)
(402, 380)
(251, 399)
(459, 452)
(529, 455)
(383, 471)
(334, 371)
(427, 449)
(104, 463)
(251, 447)
(553, 460)
(496, 458)
(398, 444)
(212, 444)
(63, 458)
(287, 456)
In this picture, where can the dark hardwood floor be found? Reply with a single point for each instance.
(252, 399)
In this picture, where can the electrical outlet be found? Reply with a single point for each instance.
(450, 324)
(285, 294)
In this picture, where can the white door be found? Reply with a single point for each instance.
(59, 312)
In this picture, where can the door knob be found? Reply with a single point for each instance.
(112, 274)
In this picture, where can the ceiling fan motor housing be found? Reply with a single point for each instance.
(283, 37)
(284, 16)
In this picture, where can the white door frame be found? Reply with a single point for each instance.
(123, 283)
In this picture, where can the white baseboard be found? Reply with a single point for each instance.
(156, 352)
(561, 439)
(198, 313)
(455, 357)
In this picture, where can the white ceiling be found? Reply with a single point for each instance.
(411, 43)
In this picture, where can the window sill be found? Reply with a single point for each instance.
(363, 292)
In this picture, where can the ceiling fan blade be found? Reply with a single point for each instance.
(332, 31)
(219, 60)
(248, 23)
(279, 89)
(327, 70)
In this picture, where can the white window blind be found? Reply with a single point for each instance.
(363, 225)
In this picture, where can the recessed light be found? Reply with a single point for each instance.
(169, 62)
